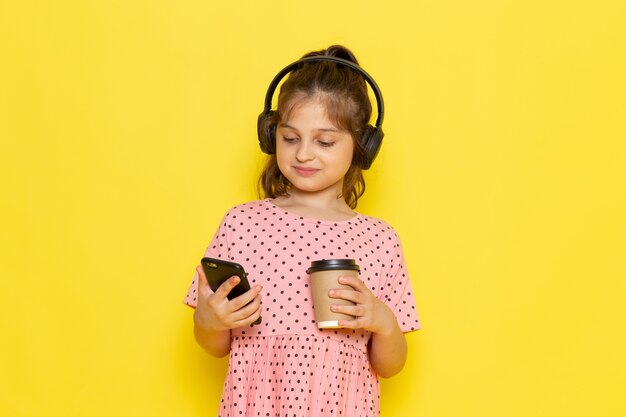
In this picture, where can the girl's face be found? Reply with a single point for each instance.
(313, 153)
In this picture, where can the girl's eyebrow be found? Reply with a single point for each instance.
(324, 129)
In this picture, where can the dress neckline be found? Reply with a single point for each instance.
(268, 202)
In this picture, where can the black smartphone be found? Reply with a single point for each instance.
(217, 271)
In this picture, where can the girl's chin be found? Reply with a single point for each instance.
(303, 187)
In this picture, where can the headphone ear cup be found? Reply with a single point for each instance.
(370, 143)
(266, 130)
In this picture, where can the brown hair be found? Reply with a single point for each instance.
(344, 92)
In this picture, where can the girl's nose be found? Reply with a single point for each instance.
(304, 152)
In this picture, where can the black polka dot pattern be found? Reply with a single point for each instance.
(286, 366)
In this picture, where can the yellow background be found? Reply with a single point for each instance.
(128, 128)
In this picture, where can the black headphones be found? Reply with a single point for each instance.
(372, 136)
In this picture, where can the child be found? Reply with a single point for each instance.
(319, 142)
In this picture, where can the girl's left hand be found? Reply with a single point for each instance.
(369, 312)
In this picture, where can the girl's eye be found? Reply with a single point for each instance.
(325, 144)
(290, 140)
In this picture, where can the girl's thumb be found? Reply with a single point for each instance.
(202, 281)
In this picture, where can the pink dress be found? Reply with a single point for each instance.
(286, 366)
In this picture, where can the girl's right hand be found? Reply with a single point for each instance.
(215, 312)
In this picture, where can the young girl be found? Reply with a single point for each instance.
(319, 141)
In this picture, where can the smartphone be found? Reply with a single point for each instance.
(217, 271)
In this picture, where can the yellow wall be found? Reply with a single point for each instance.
(128, 127)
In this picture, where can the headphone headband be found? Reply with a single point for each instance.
(321, 58)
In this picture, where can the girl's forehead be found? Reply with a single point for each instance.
(306, 105)
(309, 114)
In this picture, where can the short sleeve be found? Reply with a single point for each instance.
(219, 249)
(396, 290)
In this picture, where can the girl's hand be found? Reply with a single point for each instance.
(369, 312)
(215, 312)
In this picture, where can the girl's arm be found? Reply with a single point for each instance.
(215, 315)
(388, 349)
(215, 343)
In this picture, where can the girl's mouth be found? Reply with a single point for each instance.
(305, 172)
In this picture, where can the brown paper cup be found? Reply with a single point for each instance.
(324, 277)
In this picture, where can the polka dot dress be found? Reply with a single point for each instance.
(286, 366)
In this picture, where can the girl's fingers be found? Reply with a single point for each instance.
(354, 282)
(226, 287)
(248, 320)
(248, 310)
(350, 295)
(352, 310)
(244, 299)
(358, 294)
(351, 324)
(203, 284)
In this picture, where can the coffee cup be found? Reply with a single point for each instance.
(324, 276)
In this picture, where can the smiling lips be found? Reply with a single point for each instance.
(305, 172)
